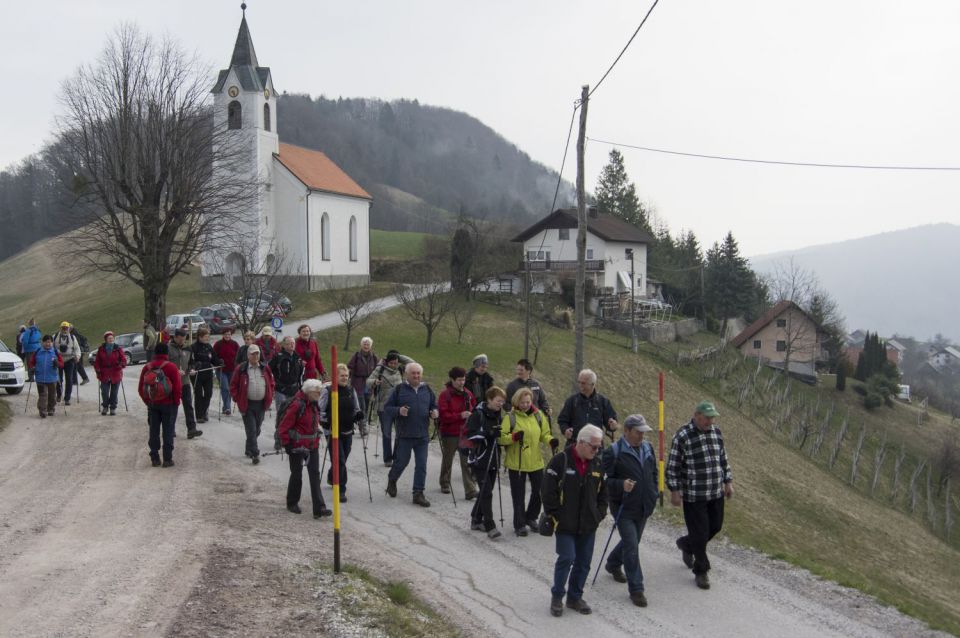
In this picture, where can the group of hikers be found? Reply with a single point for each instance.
(473, 418)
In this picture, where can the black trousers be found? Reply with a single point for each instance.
(483, 507)
(518, 482)
(295, 485)
(346, 444)
(204, 388)
(704, 520)
(186, 399)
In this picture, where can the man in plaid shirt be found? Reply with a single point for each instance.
(699, 477)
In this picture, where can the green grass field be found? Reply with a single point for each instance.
(391, 244)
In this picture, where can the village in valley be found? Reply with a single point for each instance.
(266, 235)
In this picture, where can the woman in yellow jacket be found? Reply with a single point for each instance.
(522, 430)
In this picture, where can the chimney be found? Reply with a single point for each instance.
(592, 212)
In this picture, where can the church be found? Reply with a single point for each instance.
(307, 208)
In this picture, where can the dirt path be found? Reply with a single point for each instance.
(95, 542)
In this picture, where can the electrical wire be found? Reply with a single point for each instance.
(626, 46)
(726, 158)
(556, 191)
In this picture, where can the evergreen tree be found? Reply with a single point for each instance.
(461, 259)
(729, 282)
(617, 195)
(841, 378)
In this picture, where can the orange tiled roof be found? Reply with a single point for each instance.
(318, 172)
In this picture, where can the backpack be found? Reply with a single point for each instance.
(156, 385)
(281, 412)
(513, 419)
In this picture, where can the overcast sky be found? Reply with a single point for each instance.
(839, 81)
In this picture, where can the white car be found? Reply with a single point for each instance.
(191, 323)
(12, 372)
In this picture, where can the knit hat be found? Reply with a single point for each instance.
(108, 333)
(161, 348)
(480, 360)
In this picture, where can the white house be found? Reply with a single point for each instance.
(306, 207)
(550, 246)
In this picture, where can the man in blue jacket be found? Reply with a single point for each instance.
(30, 341)
(410, 407)
(631, 470)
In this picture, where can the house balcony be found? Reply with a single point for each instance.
(593, 265)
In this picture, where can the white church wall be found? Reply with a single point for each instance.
(337, 264)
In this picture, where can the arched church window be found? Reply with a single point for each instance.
(325, 237)
(234, 115)
(353, 239)
(266, 117)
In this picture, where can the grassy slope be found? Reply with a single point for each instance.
(785, 506)
(393, 244)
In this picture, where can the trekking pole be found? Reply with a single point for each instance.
(499, 490)
(366, 467)
(324, 464)
(76, 384)
(616, 519)
(123, 391)
(440, 441)
(29, 388)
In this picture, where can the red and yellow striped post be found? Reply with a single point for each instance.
(661, 464)
(333, 406)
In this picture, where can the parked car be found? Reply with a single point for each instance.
(271, 297)
(132, 344)
(218, 317)
(13, 374)
(190, 322)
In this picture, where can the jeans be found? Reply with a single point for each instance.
(449, 446)
(295, 485)
(401, 459)
(704, 519)
(627, 551)
(482, 511)
(108, 395)
(186, 398)
(204, 387)
(346, 444)
(386, 429)
(518, 484)
(576, 551)
(252, 423)
(161, 417)
(224, 390)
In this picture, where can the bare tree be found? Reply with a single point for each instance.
(917, 471)
(354, 306)
(838, 443)
(947, 461)
(256, 278)
(138, 148)
(539, 332)
(897, 469)
(879, 456)
(463, 313)
(427, 303)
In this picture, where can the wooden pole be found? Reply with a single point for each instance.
(661, 464)
(334, 408)
(526, 323)
(579, 301)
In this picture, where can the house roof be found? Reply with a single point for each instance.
(318, 172)
(953, 352)
(767, 317)
(250, 74)
(603, 225)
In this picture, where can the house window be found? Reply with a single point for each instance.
(234, 115)
(781, 346)
(537, 255)
(266, 117)
(781, 323)
(353, 239)
(564, 233)
(589, 253)
(628, 253)
(756, 344)
(325, 237)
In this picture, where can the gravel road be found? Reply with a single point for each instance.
(95, 542)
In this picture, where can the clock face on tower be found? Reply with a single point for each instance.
(233, 91)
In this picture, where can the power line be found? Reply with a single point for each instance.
(556, 191)
(726, 158)
(626, 46)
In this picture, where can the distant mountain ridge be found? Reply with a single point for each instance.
(905, 281)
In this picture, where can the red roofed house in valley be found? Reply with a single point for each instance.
(307, 206)
(784, 332)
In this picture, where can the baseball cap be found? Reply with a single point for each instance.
(706, 408)
(636, 421)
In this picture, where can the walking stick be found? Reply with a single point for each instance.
(29, 388)
(76, 384)
(366, 467)
(324, 464)
(123, 391)
(616, 519)
(499, 490)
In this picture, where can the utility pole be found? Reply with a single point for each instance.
(526, 323)
(633, 304)
(581, 239)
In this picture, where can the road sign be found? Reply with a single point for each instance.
(277, 323)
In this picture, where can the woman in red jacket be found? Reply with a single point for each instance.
(227, 350)
(109, 365)
(299, 431)
(307, 348)
(455, 405)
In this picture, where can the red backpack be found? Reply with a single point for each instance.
(156, 386)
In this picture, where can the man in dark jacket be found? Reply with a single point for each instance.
(631, 470)
(586, 406)
(161, 410)
(410, 407)
(575, 498)
(478, 379)
(525, 380)
(287, 369)
(182, 357)
(205, 361)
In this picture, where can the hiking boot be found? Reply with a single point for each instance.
(194, 433)
(476, 526)
(343, 497)
(66, 402)
(155, 462)
(534, 525)
(294, 508)
(323, 513)
(471, 496)
(256, 459)
(579, 605)
(43, 415)
(113, 412)
(392, 488)
(50, 412)
(521, 531)
(85, 382)
(616, 572)
(420, 499)
(702, 580)
(168, 463)
(103, 412)
(556, 606)
(493, 533)
(388, 464)
(444, 489)
(638, 599)
(687, 556)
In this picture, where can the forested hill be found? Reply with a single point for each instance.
(422, 164)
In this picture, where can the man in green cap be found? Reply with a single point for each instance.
(699, 478)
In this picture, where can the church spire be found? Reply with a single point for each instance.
(243, 51)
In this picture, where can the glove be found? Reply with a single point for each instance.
(358, 417)
(495, 431)
(554, 444)
(518, 436)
